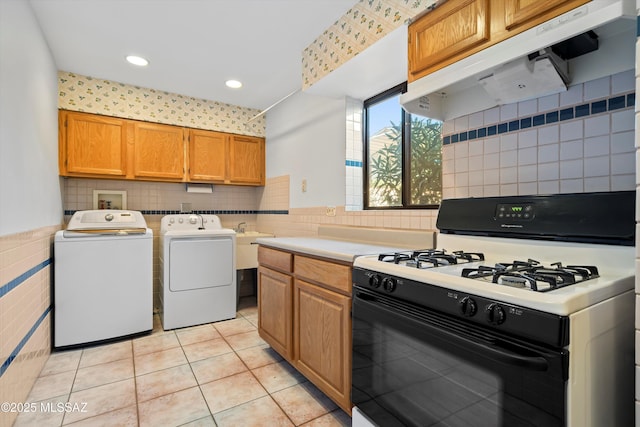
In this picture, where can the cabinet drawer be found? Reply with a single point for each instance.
(274, 258)
(329, 274)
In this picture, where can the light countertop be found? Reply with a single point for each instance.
(328, 248)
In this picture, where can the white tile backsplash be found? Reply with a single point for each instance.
(509, 142)
(550, 102)
(596, 89)
(622, 142)
(622, 121)
(623, 82)
(571, 150)
(528, 138)
(508, 175)
(528, 156)
(623, 164)
(491, 116)
(508, 158)
(571, 130)
(596, 166)
(572, 96)
(548, 134)
(548, 153)
(597, 125)
(528, 173)
(508, 112)
(596, 146)
(571, 169)
(507, 150)
(549, 171)
(527, 108)
(572, 185)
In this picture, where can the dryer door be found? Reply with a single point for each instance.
(197, 263)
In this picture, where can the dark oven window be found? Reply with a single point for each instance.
(421, 369)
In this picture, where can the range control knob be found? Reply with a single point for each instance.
(109, 217)
(468, 306)
(496, 314)
(375, 280)
(389, 284)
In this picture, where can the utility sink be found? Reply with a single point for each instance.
(247, 249)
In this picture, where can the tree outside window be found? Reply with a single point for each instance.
(404, 155)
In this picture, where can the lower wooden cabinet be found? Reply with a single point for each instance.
(304, 313)
(275, 292)
(322, 339)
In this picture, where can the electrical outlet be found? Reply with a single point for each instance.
(331, 211)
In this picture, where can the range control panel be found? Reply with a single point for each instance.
(522, 212)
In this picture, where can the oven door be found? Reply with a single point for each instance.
(415, 367)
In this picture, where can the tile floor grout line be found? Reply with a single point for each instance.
(271, 360)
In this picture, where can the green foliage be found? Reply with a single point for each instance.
(385, 166)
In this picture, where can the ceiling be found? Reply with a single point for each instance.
(193, 46)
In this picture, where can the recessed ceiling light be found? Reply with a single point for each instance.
(233, 84)
(137, 60)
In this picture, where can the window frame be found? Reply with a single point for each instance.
(406, 153)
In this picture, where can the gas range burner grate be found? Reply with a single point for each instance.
(429, 258)
(532, 275)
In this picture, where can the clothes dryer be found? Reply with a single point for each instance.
(197, 270)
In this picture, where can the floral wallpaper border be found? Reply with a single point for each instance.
(365, 23)
(93, 95)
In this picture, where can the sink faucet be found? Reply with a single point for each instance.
(240, 228)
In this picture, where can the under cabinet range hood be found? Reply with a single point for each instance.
(589, 42)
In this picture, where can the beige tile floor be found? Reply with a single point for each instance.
(218, 374)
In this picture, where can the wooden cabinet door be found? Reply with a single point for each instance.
(275, 310)
(446, 32)
(207, 155)
(246, 160)
(159, 151)
(525, 12)
(91, 144)
(322, 340)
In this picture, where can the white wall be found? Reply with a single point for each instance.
(29, 185)
(306, 139)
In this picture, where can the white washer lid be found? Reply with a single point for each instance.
(101, 220)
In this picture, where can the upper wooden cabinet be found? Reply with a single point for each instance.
(225, 158)
(207, 155)
(159, 151)
(96, 146)
(454, 27)
(246, 160)
(533, 12)
(460, 28)
(92, 145)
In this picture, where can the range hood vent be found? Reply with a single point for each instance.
(592, 41)
(539, 74)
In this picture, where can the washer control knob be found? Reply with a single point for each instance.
(193, 219)
(180, 220)
(468, 306)
(108, 217)
(172, 220)
(389, 284)
(375, 280)
(496, 314)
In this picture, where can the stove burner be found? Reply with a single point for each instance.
(530, 274)
(429, 258)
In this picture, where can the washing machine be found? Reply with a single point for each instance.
(197, 264)
(103, 278)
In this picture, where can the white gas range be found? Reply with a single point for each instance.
(523, 315)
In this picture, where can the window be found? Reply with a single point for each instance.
(403, 155)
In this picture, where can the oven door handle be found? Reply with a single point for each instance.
(534, 363)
